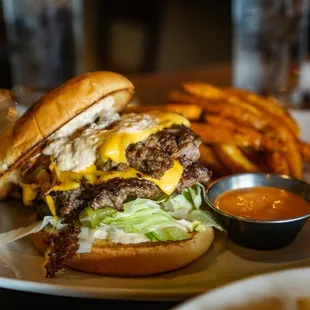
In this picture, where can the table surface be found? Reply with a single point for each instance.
(11, 299)
(153, 89)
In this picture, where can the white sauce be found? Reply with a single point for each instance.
(119, 236)
(4, 166)
(137, 122)
(85, 118)
(80, 152)
(14, 176)
(187, 224)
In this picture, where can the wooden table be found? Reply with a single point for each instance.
(11, 299)
(153, 89)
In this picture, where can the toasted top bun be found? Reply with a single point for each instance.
(115, 259)
(58, 107)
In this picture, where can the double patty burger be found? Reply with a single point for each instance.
(116, 194)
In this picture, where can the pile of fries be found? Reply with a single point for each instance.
(241, 131)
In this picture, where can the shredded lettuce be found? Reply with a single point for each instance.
(204, 217)
(170, 219)
(168, 233)
(141, 216)
(92, 218)
(179, 206)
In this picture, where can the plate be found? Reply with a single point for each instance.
(223, 263)
(269, 291)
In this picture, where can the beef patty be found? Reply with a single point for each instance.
(152, 156)
(155, 155)
(115, 192)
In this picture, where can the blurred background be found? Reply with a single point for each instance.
(156, 43)
(141, 36)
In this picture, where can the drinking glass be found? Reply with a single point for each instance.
(270, 42)
(46, 44)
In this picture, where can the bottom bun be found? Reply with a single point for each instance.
(141, 259)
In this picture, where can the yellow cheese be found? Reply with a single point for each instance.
(71, 180)
(50, 203)
(116, 141)
(30, 193)
(112, 145)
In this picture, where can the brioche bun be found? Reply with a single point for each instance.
(136, 259)
(58, 107)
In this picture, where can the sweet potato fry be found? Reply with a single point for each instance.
(271, 125)
(249, 103)
(180, 96)
(215, 119)
(212, 134)
(305, 151)
(190, 111)
(277, 163)
(294, 158)
(278, 131)
(268, 104)
(257, 157)
(292, 155)
(222, 108)
(210, 92)
(208, 158)
(234, 158)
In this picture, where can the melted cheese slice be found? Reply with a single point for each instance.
(30, 192)
(50, 203)
(110, 144)
(71, 180)
(134, 128)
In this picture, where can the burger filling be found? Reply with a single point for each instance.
(124, 179)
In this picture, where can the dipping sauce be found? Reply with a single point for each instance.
(262, 203)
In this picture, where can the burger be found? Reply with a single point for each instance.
(114, 193)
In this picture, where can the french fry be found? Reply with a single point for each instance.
(190, 111)
(248, 121)
(210, 92)
(211, 134)
(303, 303)
(234, 158)
(274, 120)
(215, 119)
(257, 157)
(222, 108)
(282, 129)
(277, 163)
(305, 151)
(208, 158)
(269, 105)
(293, 157)
(180, 96)
(277, 130)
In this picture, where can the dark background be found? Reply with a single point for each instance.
(15, 300)
(146, 36)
